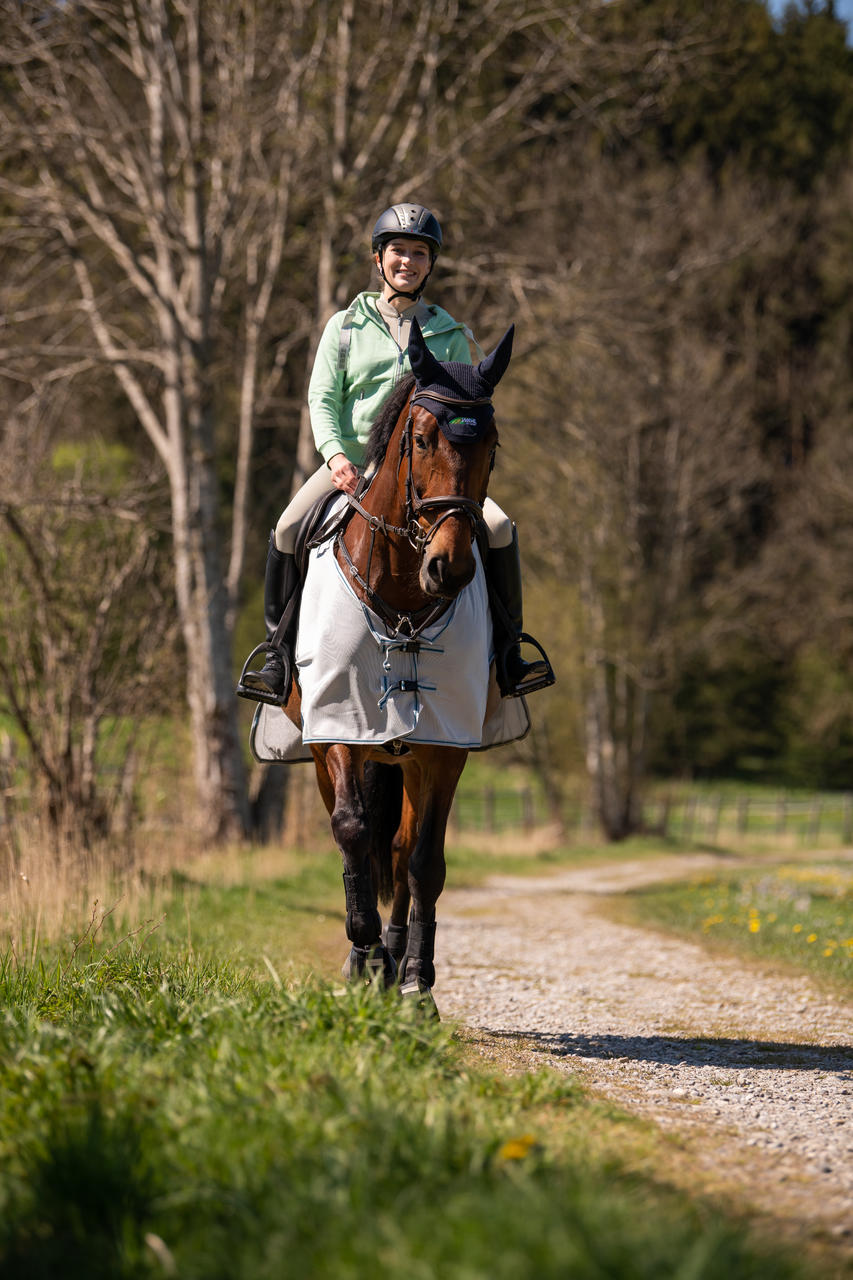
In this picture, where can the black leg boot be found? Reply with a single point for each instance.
(503, 577)
(281, 591)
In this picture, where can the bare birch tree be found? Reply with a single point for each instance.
(85, 622)
(170, 164)
(434, 114)
(150, 151)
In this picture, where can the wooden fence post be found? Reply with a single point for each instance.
(527, 814)
(665, 809)
(489, 808)
(689, 818)
(781, 815)
(714, 819)
(743, 814)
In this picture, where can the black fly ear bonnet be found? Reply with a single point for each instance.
(459, 396)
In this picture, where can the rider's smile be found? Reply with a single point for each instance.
(406, 263)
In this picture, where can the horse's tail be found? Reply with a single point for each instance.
(383, 798)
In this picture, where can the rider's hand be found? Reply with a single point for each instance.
(344, 474)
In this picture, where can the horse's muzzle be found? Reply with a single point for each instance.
(442, 575)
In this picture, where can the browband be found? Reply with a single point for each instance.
(429, 394)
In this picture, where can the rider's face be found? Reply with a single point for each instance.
(406, 263)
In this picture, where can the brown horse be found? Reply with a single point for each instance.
(406, 547)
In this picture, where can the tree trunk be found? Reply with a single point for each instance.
(613, 711)
(218, 766)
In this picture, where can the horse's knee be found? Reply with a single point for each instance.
(349, 829)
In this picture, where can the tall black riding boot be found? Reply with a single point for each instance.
(503, 577)
(281, 591)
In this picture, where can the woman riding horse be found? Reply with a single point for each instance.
(394, 666)
(362, 356)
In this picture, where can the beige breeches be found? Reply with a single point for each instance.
(498, 523)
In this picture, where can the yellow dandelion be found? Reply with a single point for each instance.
(754, 925)
(517, 1148)
(812, 937)
(829, 951)
(798, 928)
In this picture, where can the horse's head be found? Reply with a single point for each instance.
(450, 442)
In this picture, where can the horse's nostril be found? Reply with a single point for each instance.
(443, 577)
(436, 571)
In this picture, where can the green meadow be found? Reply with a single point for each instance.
(188, 1089)
(798, 914)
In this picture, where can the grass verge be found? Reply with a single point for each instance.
(166, 1114)
(798, 915)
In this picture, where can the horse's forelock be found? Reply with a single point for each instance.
(386, 421)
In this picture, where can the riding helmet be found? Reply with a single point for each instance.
(410, 220)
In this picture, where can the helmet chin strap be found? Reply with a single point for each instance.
(401, 293)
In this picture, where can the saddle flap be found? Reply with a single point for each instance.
(322, 521)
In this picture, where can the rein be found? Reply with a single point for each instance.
(449, 506)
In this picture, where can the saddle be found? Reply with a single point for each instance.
(320, 524)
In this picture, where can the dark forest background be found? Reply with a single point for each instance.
(659, 195)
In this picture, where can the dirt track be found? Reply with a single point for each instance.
(752, 1068)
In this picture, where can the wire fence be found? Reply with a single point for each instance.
(711, 818)
(684, 815)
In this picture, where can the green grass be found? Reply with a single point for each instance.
(198, 1100)
(800, 915)
(293, 921)
(162, 1113)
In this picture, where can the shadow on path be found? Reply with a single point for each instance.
(692, 1051)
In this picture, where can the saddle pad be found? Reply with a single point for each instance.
(275, 740)
(360, 686)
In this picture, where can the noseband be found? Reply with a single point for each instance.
(449, 506)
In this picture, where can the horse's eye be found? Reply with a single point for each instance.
(421, 443)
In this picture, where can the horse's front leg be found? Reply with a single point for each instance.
(340, 770)
(397, 930)
(439, 771)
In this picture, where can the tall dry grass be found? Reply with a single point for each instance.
(55, 888)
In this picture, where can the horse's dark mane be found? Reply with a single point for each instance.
(385, 422)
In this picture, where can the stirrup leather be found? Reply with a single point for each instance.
(261, 695)
(538, 679)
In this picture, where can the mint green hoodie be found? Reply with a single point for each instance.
(343, 403)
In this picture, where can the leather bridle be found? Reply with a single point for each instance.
(448, 506)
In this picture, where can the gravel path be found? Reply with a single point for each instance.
(752, 1069)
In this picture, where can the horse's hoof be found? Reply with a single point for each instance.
(370, 965)
(421, 996)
